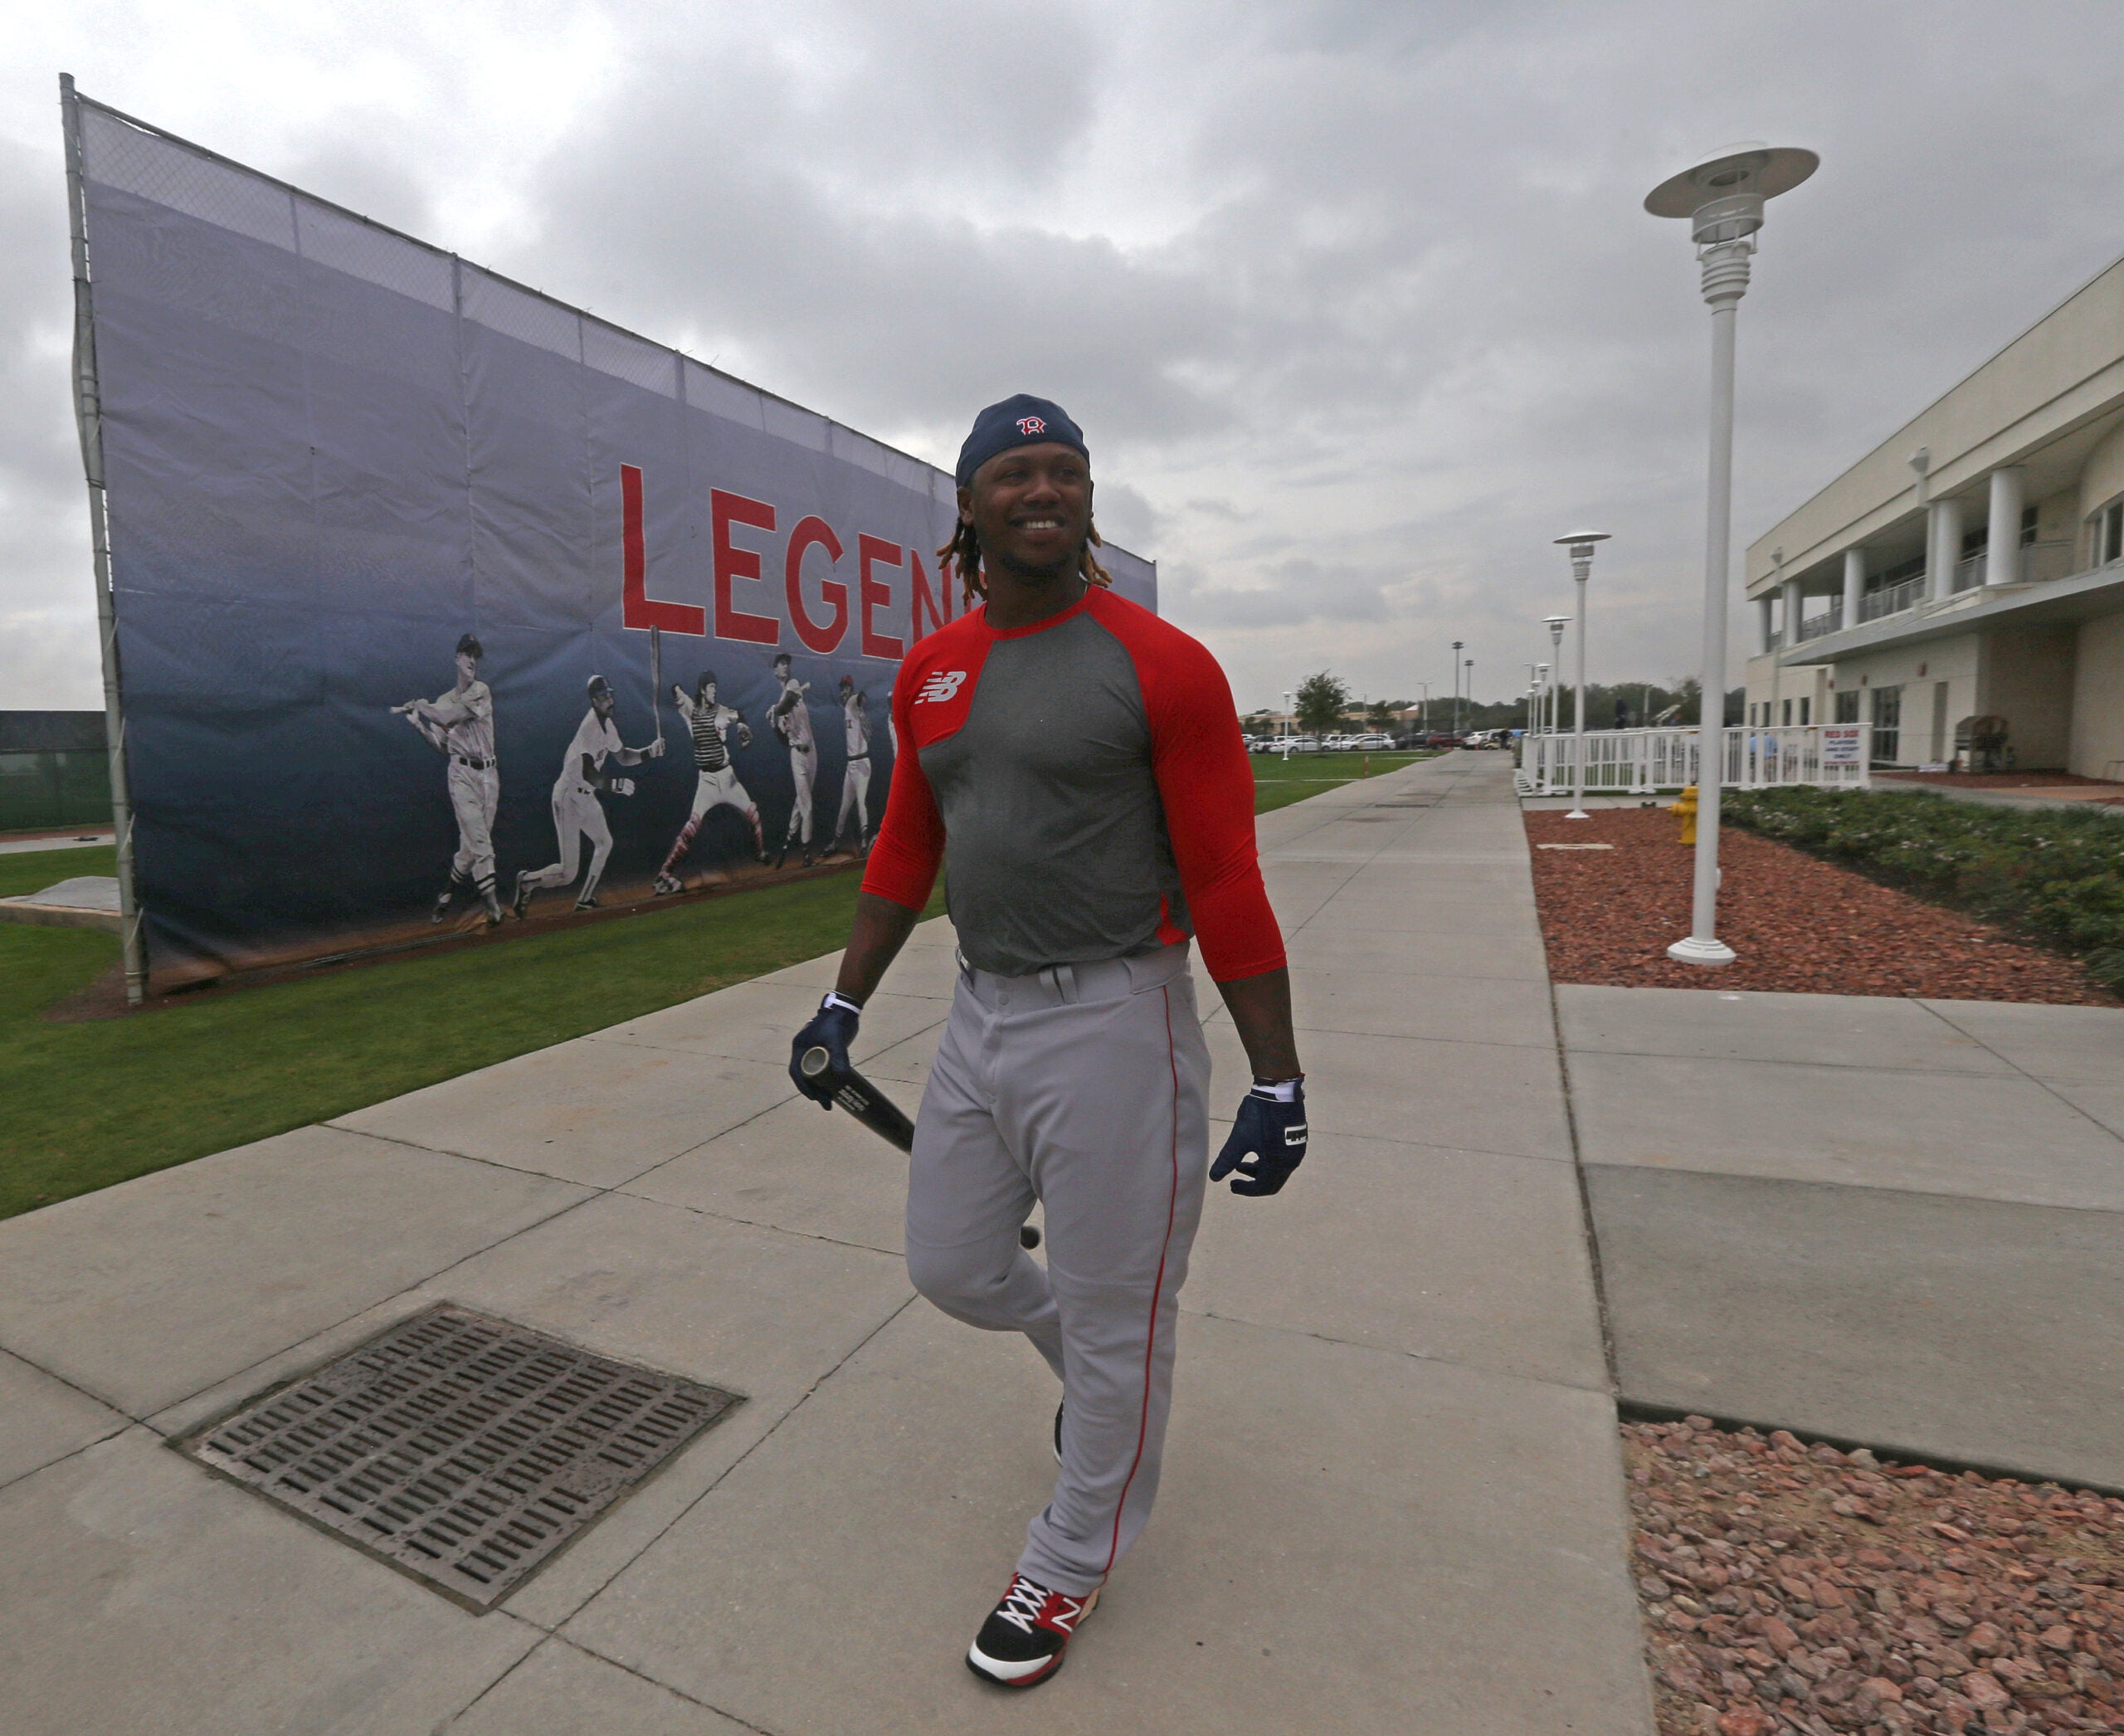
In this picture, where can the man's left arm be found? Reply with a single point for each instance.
(1206, 787)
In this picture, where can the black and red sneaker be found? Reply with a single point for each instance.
(1023, 1640)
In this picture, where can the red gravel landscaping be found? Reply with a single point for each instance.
(1800, 924)
(1788, 1587)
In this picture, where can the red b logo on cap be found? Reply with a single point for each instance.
(1031, 425)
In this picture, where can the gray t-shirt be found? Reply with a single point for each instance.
(1084, 784)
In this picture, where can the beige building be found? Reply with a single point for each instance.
(1971, 565)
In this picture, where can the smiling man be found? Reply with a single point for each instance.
(1074, 764)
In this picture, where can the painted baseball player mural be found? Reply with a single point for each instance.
(855, 781)
(1074, 764)
(461, 726)
(577, 814)
(716, 784)
(792, 718)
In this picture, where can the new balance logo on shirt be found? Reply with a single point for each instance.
(941, 686)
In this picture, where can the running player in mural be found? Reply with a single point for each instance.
(577, 812)
(460, 727)
(792, 718)
(855, 781)
(716, 785)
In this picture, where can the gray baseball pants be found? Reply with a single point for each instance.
(1083, 1087)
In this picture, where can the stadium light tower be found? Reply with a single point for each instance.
(1580, 544)
(1723, 197)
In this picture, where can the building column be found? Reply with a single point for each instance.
(1794, 601)
(1854, 583)
(2002, 535)
(1765, 638)
(1942, 550)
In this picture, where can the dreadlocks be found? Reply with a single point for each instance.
(962, 555)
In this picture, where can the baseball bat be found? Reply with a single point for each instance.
(878, 1112)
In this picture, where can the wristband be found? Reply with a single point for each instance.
(834, 998)
(1282, 1090)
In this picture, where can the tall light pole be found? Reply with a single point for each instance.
(1555, 625)
(1459, 645)
(1423, 718)
(1580, 544)
(1723, 197)
(1541, 687)
(1471, 686)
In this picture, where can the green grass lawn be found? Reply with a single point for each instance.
(1279, 782)
(83, 1105)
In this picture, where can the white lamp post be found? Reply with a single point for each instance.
(1580, 544)
(1723, 197)
(1457, 644)
(1555, 625)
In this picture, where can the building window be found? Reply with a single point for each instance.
(1888, 724)
(1847, 708)
(2028, 527)
(1787, 717)
(2106, 533)
(1805, 705)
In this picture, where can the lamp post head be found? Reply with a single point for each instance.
(1580, 544)
(1555, 625)
(1723, 196)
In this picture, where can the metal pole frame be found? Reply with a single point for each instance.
(1581, 571)
(1725, 266)
(88, 416)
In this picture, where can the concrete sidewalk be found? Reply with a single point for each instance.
(1887, 1220)
(1392, 1496)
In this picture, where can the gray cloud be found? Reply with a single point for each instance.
(1355, 298)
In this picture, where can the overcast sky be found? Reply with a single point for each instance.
(1356, 302)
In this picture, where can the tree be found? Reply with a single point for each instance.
(1380, 714)
(1321, 699)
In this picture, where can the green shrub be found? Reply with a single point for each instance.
(2055, 874)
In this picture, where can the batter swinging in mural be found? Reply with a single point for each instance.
(855, 781)
(460, 727)
(577, 812)
(792, 718)
(717, 785)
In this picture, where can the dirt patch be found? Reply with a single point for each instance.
(1790, 1588)
(1800, 925)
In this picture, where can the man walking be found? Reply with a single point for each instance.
(1075, 765)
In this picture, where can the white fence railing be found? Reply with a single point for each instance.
(1639, 762)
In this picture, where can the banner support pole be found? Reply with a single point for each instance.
(88, 416)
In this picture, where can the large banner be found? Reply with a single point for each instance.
(427, 584)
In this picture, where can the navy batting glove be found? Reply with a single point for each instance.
(1267, 1142)
(832, 1029)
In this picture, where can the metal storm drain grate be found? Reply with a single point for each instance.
(465, 1450)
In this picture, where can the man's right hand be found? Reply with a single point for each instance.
(832, 1028)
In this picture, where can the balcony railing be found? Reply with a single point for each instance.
(1831, 622)
(1892, 599)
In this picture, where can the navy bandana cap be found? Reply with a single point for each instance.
(1022, 420)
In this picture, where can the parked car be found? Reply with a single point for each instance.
(1375, 743)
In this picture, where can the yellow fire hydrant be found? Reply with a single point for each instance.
(1684, 810)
